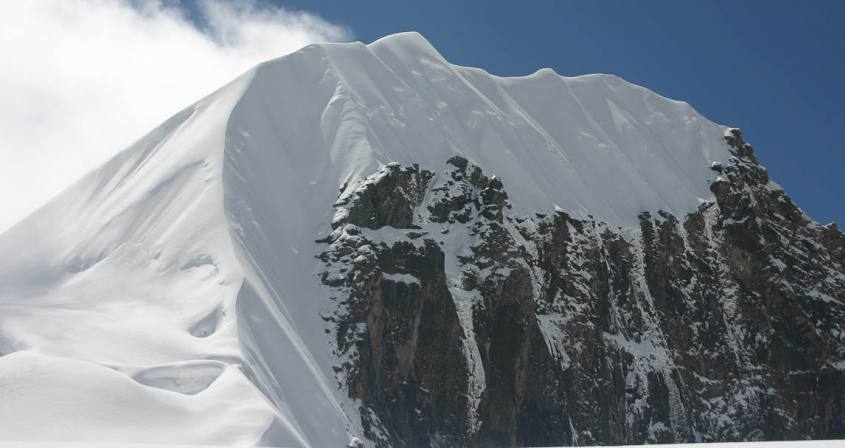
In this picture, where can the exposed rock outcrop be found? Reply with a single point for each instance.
(460, 323)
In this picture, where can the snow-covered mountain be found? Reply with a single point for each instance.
(367, 244)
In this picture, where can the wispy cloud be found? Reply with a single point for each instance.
(82, 79)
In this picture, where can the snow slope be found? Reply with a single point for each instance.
(170, 295)
(801, 444)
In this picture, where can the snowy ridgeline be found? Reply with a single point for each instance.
(172, 296)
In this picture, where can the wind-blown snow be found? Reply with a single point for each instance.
(180, 275)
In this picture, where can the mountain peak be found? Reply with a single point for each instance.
(410, 44)
(406, 40)
(197, 246)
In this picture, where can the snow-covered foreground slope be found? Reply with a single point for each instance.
(170, 296)
(804, 444)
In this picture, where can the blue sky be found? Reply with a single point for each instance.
(774, 68)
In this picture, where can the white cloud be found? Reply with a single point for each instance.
(82, 79)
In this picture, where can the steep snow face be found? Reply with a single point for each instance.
(117, 300)
(592, 144)
(196, 245)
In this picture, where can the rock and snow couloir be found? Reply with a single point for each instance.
(179, 293)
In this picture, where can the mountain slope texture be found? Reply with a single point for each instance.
(365, 245)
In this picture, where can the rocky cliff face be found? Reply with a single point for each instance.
(460, 323)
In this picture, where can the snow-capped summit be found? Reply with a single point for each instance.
(590, 144)
(175, 293)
